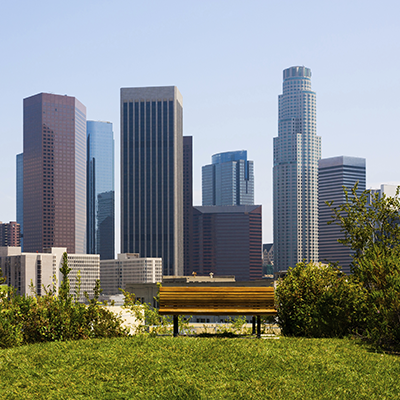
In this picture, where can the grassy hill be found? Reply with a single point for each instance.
(144, 367)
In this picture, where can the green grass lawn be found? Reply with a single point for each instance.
(145, 367)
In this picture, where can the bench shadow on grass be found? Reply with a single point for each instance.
(222, 335)
(370, 348)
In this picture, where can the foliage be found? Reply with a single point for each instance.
(149, 321)
(145, 367)
(379, 270)
(319, 301)
(372, 230)
(367, 220)
(54, 317)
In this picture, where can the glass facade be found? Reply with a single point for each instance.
(54, 173)
(297, 150)
(100, 190)
(188, 204)
(20, 197)
(229, 180)
(152, 175)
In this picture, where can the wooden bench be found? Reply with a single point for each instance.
(183, 300)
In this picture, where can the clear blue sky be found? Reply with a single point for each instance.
(226, 58)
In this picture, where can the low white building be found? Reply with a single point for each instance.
(128, 268)
(42, 270)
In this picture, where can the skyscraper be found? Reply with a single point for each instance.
(10, 234)
(187, 203)
(334, 173)
(297, 150)
(228, 241)
(54, 173)
(151, 175)
(100, 189)
(20, 196)
(228, 180)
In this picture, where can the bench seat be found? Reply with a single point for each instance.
(183, 300)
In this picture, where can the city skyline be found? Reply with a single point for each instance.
(229, 76)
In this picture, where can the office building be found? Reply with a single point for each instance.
(334, 174)
(100, 189)
(43, 270)
(268, 259)
(54, 173)
(128, 269)
(297, 150)
(187, 203)
(385, 189)
(227, 240)
(228, 180)
(152, 175)
(10, 234)
(20, 196)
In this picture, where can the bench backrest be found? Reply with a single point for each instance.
(184, 300)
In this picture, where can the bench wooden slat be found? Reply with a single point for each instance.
(215, 289)
(218, 311)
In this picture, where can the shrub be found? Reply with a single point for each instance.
(379, 271)
(319, 301)
(148, 319)
(371, 228)
(55, 316)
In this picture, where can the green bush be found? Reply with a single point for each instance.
(319, 301)
(371, 228)
(379, 271)
(55, 316)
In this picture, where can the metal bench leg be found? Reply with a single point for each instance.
(253, 322)
(258, 326)
(176, 326)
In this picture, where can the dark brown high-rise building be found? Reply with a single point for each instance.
(187, 203)
(227, 240)
(151, 174)
(10, 234)
(54, 173)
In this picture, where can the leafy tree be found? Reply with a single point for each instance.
(367, 220)
(371, 227)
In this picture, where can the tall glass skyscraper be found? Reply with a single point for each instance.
(152, 174)
(297, 150)
(100, 189)
(20, 195)
(54, 173)
(229, 180)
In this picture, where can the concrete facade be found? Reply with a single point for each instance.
(128, 268)
(334, 173)
(42, 270)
